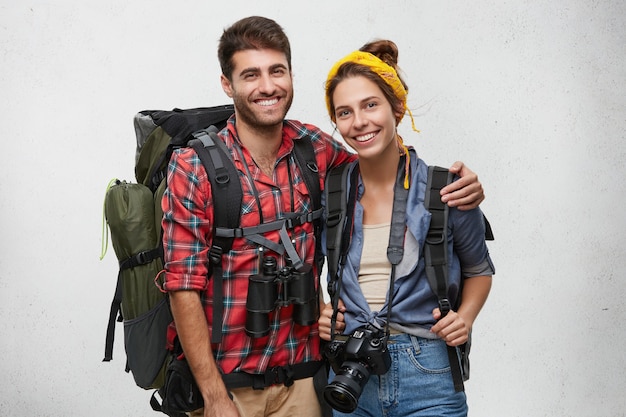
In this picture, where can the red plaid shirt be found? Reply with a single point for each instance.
(187, 225)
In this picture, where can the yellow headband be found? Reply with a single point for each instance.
(390, 76)
(382, 69)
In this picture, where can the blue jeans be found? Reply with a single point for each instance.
(418, 383)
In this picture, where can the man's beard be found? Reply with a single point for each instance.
(247, 114)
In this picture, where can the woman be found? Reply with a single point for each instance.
(366, 99)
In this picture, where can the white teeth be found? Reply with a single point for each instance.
(365, 137)
(267, 102)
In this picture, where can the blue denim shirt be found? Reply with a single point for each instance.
(413, 300)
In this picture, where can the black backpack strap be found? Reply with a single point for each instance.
(339, 218)
(488, 229)
(304, 153)
(305, 158)
(336, 208)
(435, 252)
(226, 210)
(115, 314)
(436, 255)
(142, 258)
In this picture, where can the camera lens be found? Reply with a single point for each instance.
(344, 391)
(341, 400)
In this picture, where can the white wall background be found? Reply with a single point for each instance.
(530, 94)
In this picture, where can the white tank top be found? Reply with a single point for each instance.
(375, 268)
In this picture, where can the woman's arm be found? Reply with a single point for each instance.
(324, 321)
(455, 327)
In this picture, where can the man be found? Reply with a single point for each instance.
(255, 58)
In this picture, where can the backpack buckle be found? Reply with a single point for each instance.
(142, 258)
(444, 306)
(279, 375)
(215, 254)
(312, 166)
(333, 218)
(435, 237)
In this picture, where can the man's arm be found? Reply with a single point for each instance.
(467, 192)
(185, 230)
(193, 333)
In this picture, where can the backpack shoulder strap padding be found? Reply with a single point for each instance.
(305, 158)
(224, 179)
(436, 255)
(336, 208)
(222, 174)
(435, 252)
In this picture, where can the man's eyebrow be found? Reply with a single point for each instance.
(256, 70)
(277, 66)
(249, 70)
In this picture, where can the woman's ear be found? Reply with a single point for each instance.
(399, 113)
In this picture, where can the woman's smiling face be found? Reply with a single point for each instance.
(364, 117)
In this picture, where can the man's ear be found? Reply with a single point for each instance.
(226, 86)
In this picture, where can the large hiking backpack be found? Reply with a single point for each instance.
(339, 210)
(133, 214)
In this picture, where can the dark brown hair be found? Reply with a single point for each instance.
(254, 32)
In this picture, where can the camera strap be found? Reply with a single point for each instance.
(395, 248)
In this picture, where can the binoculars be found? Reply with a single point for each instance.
(272, 288)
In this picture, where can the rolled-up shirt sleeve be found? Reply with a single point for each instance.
(187, 221)
(469, 243)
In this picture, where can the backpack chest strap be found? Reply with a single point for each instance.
(256, 234)
(289, 223)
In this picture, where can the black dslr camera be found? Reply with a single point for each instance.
(364, 352)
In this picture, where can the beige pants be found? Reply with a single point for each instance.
(298, 400)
